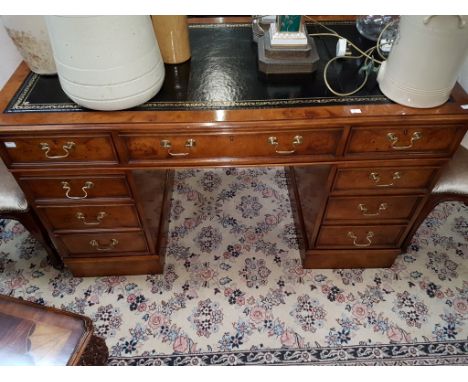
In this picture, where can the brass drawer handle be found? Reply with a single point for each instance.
(364, 210)
(97, 246)
(67, 147)
(369, 236)
(375, 177)
(101, 215)
(417, 135)
(87, 186)
(189, 143)
(297, 140)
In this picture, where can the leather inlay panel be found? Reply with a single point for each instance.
(223, 74)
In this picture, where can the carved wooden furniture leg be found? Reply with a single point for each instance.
(95, 354)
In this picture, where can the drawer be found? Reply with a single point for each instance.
(149, 147)
(52, 149)
(89, 217)
(362, 208)
(398, 140)
(101, 244)
(75, 188)
(360, 237)
(384, 179)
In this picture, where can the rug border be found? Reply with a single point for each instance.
(453, 352)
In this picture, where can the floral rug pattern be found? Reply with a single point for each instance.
(234, 292)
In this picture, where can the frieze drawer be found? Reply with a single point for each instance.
(397, 141)
(53, 149)
(320, 143)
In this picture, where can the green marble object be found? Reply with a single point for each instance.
(289, 24)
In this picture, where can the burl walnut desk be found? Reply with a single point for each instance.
(359, 167)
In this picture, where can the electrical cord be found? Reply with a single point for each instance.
(325, 70)
(368, 54)
(348, 42)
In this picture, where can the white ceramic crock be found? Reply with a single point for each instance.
(106, 62)
(425, 60)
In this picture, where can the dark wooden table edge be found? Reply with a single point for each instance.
(87, 325)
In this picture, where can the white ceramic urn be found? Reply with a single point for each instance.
(425, 60)
(106, 62)
(29, 34)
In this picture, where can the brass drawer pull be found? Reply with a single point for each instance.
(417, 135)
(375, 177)
(67, 147)
(166, 143)
(369, 236)
(101, 215)
(87, 186)
(297, 140)
(97, 246)
(364, 210)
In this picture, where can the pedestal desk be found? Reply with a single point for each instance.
(359, 168)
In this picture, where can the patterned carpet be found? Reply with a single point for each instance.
(233, 291)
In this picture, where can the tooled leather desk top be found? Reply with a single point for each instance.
(223, 74)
